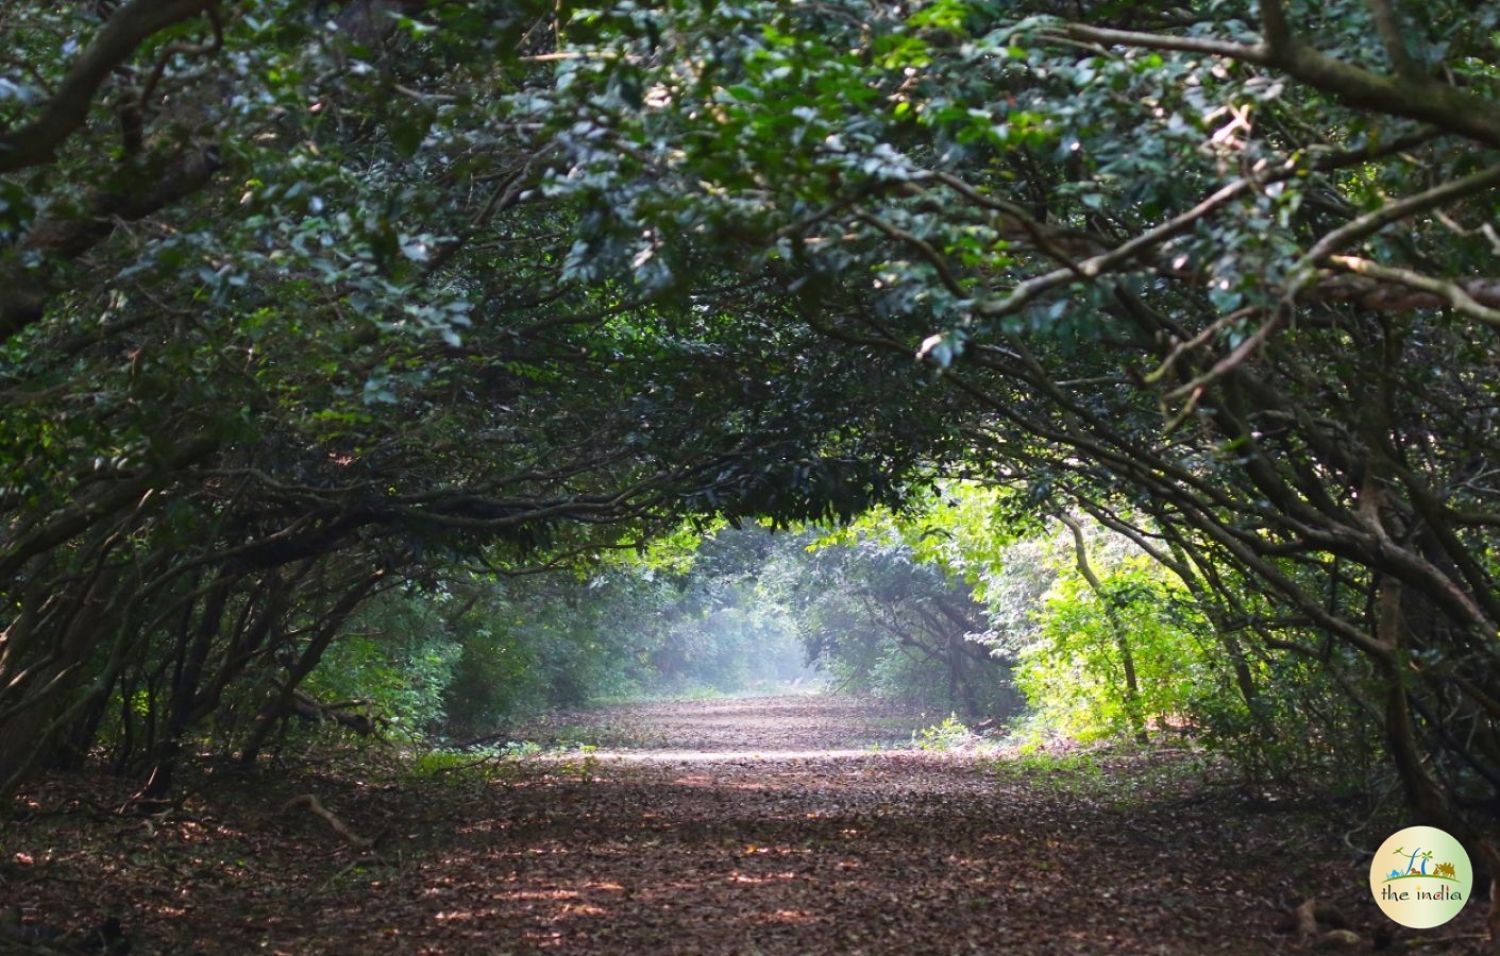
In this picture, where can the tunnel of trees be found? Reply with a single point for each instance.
(343, 340)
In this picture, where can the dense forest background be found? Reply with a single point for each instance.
(1119, 369)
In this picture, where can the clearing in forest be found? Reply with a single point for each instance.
(764, 825)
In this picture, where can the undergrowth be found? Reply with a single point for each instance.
(507, 763)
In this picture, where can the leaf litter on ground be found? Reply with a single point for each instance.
(754, 826)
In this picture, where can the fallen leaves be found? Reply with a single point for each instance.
(727, 847)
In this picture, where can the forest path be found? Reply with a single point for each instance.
(721, 728)
(765, 825)
(757, 826)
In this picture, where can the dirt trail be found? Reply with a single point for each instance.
(758, 826)
(770, 726)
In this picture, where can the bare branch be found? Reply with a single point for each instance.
(162, 183)
(1388, 25)
(1276, 30)
(1432, 292)
(1160, 41)
(183, 49)
(923, 247)
(315, 807)
(1446, 107)
(1373, 222)
(124, 33)
(1024, 293)
(1194, 389)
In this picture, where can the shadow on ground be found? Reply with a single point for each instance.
(747, 840)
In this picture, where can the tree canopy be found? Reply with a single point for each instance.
(306, 302)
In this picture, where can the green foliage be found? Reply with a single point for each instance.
(1123, 778)
(401, 672)
(1076, 772)
(949, 735)
(885, 612)
(506, 764)
(700, 623)
(1073, 674)
(1274, 715)
(496, 677)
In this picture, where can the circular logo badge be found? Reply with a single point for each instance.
(1421, 877)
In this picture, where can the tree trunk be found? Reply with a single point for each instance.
(1133, 710)
(266, 720)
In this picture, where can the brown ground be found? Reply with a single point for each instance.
(753, 826)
